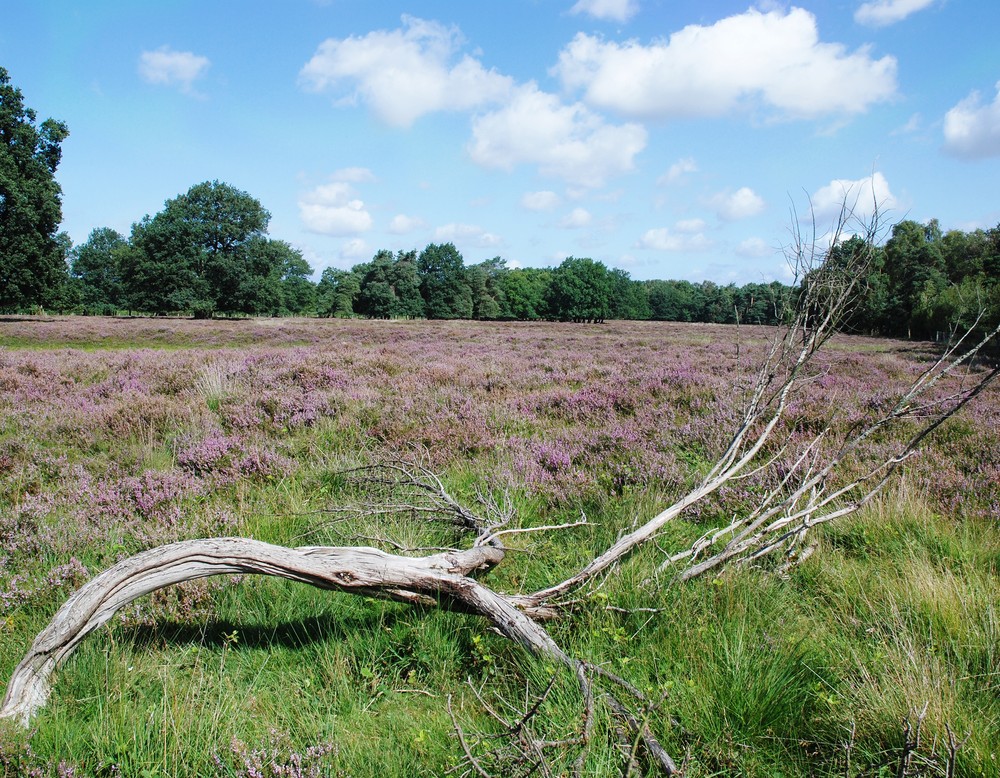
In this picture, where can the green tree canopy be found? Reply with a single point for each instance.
(486, 284)
(96, 265)
(32, 259)
(524, 291)
(580, 291)
(207, 251)
(336, 292)
(443, 284)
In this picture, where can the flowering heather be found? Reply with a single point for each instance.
(560, 410)
(119, 435)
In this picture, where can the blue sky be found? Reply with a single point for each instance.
(666, 137)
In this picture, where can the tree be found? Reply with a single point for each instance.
(629, 299)
(404, 277)
(206, 251)
(524, 293)
(580, 291)
(912, 260)
(486, 284)
(336, 292)
(446, 292)
(296, 293)
(96, 265)
(32, 259)
(376, 297)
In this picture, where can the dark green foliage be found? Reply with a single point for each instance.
(674, 301)
(336, 292)
(486, 283)
(32, 259)
(96, 266)
(629, 299)
(387, 287)
(580, 291)
(524, 292)
(208, 252)
(445, 289)
(298, 293)
(924, 283)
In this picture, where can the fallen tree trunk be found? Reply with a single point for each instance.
(439, 579)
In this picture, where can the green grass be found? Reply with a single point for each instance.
(752, 674)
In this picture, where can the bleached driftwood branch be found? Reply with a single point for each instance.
(441, 578)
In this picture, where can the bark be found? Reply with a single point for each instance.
(442, 578)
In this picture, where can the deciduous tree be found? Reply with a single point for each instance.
(206, 251)
(446, 292)
(580, 291)
(96, 265)
(32, 259)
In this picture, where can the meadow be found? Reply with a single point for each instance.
(118, 435)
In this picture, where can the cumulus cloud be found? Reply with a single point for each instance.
(566, 141)
(402, 224)
(754, 248)
(690, 225)
(467, 234)
(540, 201)
(166, 67)
(354, 175)
(773, 59)
(862, 197)
(332, 209)
(576, 219)
(661, 239)
(355, 249)
(609, 10)
(405, 73)
(880, 13)
(971, 129)
(741, 204)
(678, 170)
(913, 124)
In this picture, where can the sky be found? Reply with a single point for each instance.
(670, 138)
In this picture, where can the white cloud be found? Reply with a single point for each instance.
(167, 67)
(354, 175)
(754, 248)
(576, 219)
(678, 170)
(566, 141)
(540, 201)
(861, 197)
(773, 59)
(690, 225)
(355, 249)
(331, 209)
(741, 204)
(468, 234)
(880, 13)
(405, 73)
(971, 129)
(402, 224)
(613, 10)
(661, 239)
(913, 124)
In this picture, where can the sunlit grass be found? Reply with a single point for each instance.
(752, 674)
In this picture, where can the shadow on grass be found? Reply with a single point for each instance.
(293, 634)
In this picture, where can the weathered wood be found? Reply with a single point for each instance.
(441, 578)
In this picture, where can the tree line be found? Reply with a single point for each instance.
(207, 253)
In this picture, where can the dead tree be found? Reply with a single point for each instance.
(807, 495)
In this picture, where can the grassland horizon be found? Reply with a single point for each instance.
(117, 435)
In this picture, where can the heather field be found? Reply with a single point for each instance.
(117, 435)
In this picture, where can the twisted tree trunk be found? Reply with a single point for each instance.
(439, 579)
